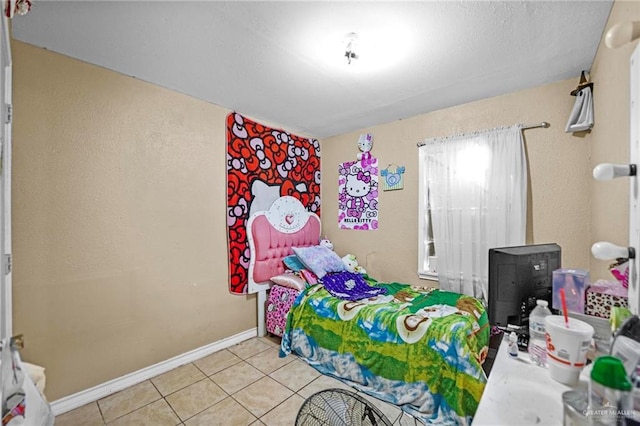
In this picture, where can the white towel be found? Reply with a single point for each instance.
(581, 117)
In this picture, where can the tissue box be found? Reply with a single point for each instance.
(574, 282)
(602, 295)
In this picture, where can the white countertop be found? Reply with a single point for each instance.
(521, 393)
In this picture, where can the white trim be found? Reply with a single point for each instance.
(95, 393)
(634, 202)
(428, 276)
(6, 309)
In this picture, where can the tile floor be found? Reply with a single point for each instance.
(246, 384)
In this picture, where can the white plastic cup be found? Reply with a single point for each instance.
(567, 347)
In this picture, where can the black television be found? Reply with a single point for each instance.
(518, 276)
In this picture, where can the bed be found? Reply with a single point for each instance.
(272, 234)
(417, 347)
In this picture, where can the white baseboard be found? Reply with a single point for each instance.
(95, 393)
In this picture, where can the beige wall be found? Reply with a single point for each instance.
(610, 74)
(118, 222)
(558, 168)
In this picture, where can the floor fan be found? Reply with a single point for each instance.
(337, 407)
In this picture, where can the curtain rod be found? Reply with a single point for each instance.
(544, 125)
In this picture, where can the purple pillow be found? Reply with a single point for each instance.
(319, 259)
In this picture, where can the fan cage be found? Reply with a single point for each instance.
(338, 407)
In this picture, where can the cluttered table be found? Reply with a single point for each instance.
(519, 392)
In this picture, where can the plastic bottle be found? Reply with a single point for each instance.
(609, 391)
(537, 341)
(632, 410)
(513, 345)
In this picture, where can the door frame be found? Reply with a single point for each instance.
(6, 322)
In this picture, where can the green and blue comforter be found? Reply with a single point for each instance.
(419, 348)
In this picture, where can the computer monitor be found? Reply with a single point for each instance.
(518, 276)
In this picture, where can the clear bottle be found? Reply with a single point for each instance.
(609, 392)
(513, 345)
(537, 341)
(632, 410)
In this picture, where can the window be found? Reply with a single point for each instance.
(472, 197)
(427, 257)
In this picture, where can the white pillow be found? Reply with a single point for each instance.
(290, 280)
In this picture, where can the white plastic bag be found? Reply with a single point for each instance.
(13, 396)
(22, 402)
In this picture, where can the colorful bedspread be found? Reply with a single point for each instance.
(418, 348)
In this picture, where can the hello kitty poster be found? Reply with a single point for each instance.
(358, 194)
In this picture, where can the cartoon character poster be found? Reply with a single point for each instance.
(264, 164)
(358, 194)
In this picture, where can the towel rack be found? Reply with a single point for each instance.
(543, 125)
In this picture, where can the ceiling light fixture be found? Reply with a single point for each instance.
(350, 50)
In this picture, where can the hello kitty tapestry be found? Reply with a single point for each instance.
(358, 194)
(264, 164)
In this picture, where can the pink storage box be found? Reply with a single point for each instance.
(278, 305)
(602, 295)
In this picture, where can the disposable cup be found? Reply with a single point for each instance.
(567, 346)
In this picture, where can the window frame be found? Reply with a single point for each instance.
(427, 258)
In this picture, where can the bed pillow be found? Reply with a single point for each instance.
(320, 260)
(292, 262)
(309, 276)
(290, 280)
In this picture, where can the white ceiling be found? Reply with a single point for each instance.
(282, 62)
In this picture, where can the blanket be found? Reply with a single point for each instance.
(421, 349)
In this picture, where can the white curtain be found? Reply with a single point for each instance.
(477, 188)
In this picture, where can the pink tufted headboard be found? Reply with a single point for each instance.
(271, 235)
